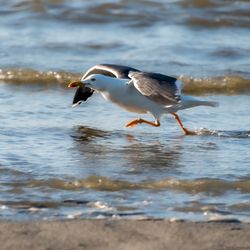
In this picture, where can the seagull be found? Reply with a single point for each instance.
(137, 91)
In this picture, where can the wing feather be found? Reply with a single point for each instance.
(118, 71)
(159, 88)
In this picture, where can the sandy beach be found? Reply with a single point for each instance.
(124, 234)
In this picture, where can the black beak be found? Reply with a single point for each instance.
(82, 94)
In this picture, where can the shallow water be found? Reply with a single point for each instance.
(59, 162)
(63, 162)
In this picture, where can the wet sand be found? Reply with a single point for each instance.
(124, 234)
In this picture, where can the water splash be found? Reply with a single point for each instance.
(241, 134)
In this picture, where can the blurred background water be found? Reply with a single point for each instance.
(58, 162)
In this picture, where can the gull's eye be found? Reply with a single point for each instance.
(92, 79)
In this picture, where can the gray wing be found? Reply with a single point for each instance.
(159, 88)
(118, 71)
(113, 70)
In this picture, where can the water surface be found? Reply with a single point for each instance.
(63, 162)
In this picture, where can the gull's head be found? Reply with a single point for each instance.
(94, 81)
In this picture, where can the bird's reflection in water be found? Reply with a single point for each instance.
(135, 152)
(86, 134)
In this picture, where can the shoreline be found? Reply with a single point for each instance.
(124, 234)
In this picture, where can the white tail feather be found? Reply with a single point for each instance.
(209, 103)
(189, 102)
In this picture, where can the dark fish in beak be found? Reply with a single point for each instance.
(82, 93)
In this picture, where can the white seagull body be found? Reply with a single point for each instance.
(136, 91)
(125, 95)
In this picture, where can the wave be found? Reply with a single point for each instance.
(205, 185)
(228, 84)
(31, 76)
(195, 13)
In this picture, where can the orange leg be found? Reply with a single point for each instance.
(139, 121)
(186, 131)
